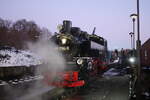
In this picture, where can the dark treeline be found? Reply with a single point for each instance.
(17, 34)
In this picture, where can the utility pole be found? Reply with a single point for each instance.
(133, 16)
(138, 42)
(131, 34)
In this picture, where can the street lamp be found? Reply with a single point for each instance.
(137, 73)
(133, 16)
(138, 54)
(131, 34)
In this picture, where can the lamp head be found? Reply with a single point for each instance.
(131, 33)
(132, 60)
(133, 16)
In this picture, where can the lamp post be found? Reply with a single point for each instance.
(136, 82)
(133, 16)
(131, 34)
(138, 54)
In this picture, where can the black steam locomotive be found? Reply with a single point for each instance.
(85, 55)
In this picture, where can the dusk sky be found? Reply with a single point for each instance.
(110, 17)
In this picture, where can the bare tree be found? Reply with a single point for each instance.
(18, 33)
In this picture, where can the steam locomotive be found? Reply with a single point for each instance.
(85, 55)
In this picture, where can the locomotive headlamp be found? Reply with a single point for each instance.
(80, 61)
(132, 59)
(64, 40)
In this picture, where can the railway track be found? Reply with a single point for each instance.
(32, 87)
(21, 80)
(17, 87)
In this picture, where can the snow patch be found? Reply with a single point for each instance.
(13, 57)
(111, 72)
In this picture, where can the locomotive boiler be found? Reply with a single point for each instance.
(85, 55)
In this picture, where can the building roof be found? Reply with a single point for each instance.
(146, 43)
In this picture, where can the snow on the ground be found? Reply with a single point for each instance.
(13, 57)
(111, 72)
(116, 60)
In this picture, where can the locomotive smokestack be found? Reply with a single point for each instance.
(94, 30)
(67, 26)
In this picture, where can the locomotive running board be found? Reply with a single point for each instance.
(76, 84)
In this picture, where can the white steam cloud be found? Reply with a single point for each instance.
(51, 57)
(52, 63)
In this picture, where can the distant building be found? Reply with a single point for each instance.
(145, 53)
